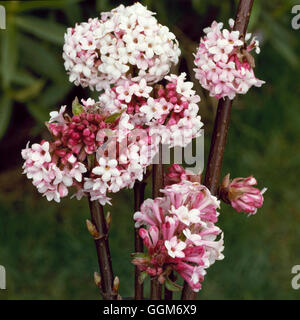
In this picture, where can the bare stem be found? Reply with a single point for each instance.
(157, 184)
(218, 141)
(103, 252)
(139, 190)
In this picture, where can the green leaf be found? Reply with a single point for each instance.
(41, 59)
(54, 93)
(286, 51)
(30, 92)
(172, 286)
(103, 5)
(140, 255)
(77, 108)
(20, 6)
(73, 13)
(46, 30)
(255, 14)
(142, 277)
(23, 78)
(9, 53)
(5, 113)
(113, 117)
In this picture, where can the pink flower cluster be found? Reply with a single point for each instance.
(125, 42)
(180, 233)
(224, 64)
(118, 156)
(170, 116)
(241, 194)
(52, 172)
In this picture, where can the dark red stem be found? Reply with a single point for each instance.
(157, 184)
(218, 141)
(103, 252)
(139, 191)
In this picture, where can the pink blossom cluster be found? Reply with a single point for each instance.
(52, 172)
(179, 233)
(170, 114)
(223, 62)
(93, 135)
(242, 195)
(126, 42)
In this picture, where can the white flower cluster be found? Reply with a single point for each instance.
(126, 42)
(224, 65)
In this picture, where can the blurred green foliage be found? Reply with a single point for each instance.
(47, 252)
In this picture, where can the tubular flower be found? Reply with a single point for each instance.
(224, 65)
(179, 233)
(241, 194)
(125, 42)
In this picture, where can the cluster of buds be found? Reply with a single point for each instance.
(224, 63)
(180, 234)
(126, 42)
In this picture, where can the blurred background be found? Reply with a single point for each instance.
(45, 247)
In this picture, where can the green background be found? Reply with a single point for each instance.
(45, 247)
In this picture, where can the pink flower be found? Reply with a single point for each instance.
(241, 194)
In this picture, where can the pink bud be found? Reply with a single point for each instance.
(243, 196)
(86, 132)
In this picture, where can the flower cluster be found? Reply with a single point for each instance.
(93, 142)
(170, 114)
(52, 171)
(224, 64)
(180, 233)
(241, 194)
(125, 42)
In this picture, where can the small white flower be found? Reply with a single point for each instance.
(185, 215)
(106, 169)
(175, 247)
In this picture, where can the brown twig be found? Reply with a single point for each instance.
(139, 191)
(157, 184)
(98, 228)
(103, 253)
(219, 135)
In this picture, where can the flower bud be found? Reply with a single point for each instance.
(241, 194)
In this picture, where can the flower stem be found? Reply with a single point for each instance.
(218, 141)
(103, 252)
(139, 191)
(157, 184)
